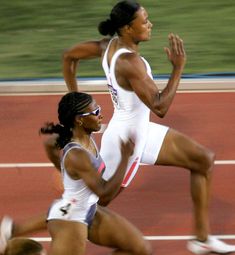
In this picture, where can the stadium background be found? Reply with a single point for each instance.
(35, 33)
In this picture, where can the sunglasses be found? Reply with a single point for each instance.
(96, 112)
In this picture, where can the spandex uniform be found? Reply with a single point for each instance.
(131, 117)
(78, 202)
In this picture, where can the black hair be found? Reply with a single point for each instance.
(70, 105)
(122, 14)
(23, 246)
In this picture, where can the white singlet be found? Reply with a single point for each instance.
(131, 117)
(78, 202)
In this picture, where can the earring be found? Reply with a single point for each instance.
(80, 123)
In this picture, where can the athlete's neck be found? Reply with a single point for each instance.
(81, 136)
(128, 44)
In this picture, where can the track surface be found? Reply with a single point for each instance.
(158, 200)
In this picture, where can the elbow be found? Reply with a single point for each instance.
(161, 114)
(65, 55)
(50, 143)
(159, 107)
(104, 201)
(104, 197)
(68, 56)
(160, 111)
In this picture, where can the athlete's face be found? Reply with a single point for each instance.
(141, 27)
(92, 117)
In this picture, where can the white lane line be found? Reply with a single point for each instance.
(166, 238)
(32, 165)
(224, 162)
(152, 238)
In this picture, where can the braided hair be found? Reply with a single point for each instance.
(122, 14)
(70, 105)
(23, 246)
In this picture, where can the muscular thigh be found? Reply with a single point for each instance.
(155, 137)
(181, 150)
(68, 237)
(111, 230)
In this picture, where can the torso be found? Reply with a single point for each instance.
(114, 47)
(77, 188)
(128, 106)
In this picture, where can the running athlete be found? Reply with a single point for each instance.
(76, 216)
(134, 95)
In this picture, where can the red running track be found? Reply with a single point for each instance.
(158, 200)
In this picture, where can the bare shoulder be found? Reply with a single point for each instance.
(131, 57)
(104, 43)
(77, 158)
(131, 63)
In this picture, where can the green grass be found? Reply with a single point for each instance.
(33, 34)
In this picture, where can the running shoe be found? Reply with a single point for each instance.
(6, 227)
(212, 245)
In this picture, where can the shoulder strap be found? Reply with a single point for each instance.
(116, 55)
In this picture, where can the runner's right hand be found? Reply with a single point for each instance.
(127, 147)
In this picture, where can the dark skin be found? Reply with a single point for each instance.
(133, 79)
(178, 149)
(83, 168)
(70, 237)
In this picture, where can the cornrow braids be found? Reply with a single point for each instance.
(70, 105)
(23, 246)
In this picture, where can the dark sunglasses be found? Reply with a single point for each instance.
(96, 112)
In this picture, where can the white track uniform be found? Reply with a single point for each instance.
(78, 202)
(131, 117)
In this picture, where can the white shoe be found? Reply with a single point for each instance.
(5, 232)
(211, 245)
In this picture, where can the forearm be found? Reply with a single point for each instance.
(112, 186)
(177, 56)
(52, 151)
(69, 72)
(167, 95)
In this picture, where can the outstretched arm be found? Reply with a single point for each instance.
(71, 57)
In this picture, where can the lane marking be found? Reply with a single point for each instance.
(171, 238)
(153, 238)
(44, 165)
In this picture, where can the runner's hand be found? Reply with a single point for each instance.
(127, 148)
(176, 52)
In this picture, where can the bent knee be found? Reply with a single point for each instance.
(205, 161)
(209, 159)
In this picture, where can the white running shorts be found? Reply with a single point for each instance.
(64, 209)
(147, 148)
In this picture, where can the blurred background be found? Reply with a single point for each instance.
(34, 33)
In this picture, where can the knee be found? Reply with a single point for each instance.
(207, 161)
